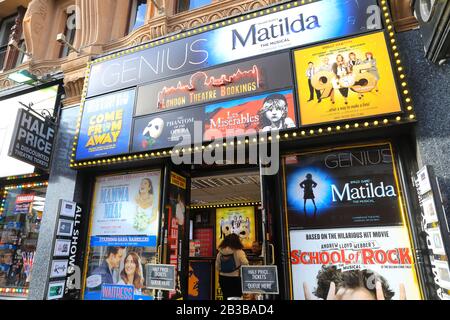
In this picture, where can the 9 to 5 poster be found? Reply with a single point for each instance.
(342, 187)
(354, 260)
(346, 79)
(240, 220)
(106, 125)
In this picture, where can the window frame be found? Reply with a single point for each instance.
(70, 35)
(133, 14)
(178, 6)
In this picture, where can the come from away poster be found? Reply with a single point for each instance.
(106, 125)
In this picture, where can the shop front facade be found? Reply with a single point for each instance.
(292, 127)
(27, 140)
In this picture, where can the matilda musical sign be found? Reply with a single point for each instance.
(243, 78)
(258, 33)
(346, 79)
(32, 140)
(342, 188)
(106, 125)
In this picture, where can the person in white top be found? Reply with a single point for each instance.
(180, 210)
(146, 215)
(310, 72)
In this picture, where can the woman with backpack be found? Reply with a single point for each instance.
(228, 263)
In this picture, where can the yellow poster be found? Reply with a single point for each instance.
(239, 220)
(346, 79)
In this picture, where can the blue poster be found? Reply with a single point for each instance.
(106, 125)
(337, 188)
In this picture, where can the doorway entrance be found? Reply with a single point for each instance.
(222, 203)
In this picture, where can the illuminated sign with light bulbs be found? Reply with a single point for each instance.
(206, 86)
(250, 41)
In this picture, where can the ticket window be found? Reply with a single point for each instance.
(220, 205)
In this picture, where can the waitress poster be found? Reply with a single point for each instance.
(126, 205)
(345, 187)
(106, 125)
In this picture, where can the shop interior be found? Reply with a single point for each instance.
(20, 219)
(222, 204)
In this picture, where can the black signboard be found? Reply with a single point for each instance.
(231, 81)
(67, 270)
(348, 187)
(259, 279)
(32, 140)
(164, 130)
(161, 276)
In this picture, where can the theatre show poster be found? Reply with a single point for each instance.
(261, 113)
(124, 230)
(167, 129)
(346, 79)
(106, 125)
(239, 220)
(373, 263)
(342, 187)
(200, 280)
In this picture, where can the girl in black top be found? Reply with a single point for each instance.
(307, 186)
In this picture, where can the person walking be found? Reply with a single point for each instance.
(229, 260)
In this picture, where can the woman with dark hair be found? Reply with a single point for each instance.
(131, 274)
(335, 284)
(228, 262)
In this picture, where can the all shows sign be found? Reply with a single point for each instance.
(32, 140)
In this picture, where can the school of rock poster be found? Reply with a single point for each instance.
(240, 220)
(123, 238)
(346, 187)
(354, 259)
(345, 79)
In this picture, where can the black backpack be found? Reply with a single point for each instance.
(227, 263)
